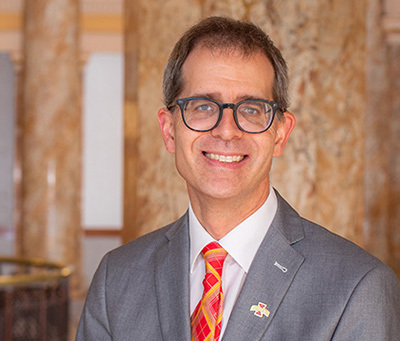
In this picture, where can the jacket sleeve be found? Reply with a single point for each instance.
(373, 310)
(94, 324)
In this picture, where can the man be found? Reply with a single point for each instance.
(268, 274)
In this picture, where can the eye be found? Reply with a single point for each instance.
(251, 110)
(203, 107)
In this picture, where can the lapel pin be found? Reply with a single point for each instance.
(282, 268)
(260, 310)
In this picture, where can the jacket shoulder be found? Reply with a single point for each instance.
(143, 248)
(324, 250)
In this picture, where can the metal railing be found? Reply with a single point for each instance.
(34, 302)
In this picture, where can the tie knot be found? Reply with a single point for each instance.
(214, 256)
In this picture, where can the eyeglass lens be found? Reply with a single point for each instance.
(252, 115)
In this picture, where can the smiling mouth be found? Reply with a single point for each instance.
(225, 158)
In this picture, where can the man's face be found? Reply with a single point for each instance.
(225, 163)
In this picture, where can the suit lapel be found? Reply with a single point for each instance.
(269, 278)
(172, 282)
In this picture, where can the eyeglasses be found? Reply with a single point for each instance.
(204, 114)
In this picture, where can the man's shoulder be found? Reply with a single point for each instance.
(332, 254)
(331, 243)
(142, 249)
(323, 248)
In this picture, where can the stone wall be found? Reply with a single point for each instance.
(322, 172)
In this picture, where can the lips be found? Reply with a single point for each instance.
(224, 158)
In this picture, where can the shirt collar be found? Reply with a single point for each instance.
(239, 243)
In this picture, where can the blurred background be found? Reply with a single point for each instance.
(82, 164)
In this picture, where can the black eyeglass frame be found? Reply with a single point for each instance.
(182, 101)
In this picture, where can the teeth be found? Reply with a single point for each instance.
(223, 158)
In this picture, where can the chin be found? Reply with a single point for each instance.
(220, 191)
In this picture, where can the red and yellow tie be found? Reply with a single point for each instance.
(206, 318)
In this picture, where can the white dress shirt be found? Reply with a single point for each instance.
(241, 244)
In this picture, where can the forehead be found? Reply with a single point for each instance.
(227, 71)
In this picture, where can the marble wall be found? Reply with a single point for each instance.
(326, 56)
(323, 170)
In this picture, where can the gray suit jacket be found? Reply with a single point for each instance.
(332, 289)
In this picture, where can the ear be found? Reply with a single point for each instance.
(285, 127)
(165, 120)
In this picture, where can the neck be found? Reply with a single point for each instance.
(220, 216)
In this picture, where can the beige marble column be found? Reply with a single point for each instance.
(154, 192)
(394, 157)
(18, 146)
(382, 172)
(131, 119)
(339, 115)
(51, 151)
(377, 146)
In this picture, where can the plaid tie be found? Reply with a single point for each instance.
(206, 318)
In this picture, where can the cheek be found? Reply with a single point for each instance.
(186, 140)
(184, 160)
(183, 148)
(272, 145)
(266, 145)
(188, 150)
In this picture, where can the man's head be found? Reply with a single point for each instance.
(227, 159)
(224, 35)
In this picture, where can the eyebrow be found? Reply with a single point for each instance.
(216, 96)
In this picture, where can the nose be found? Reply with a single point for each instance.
(227, 128)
